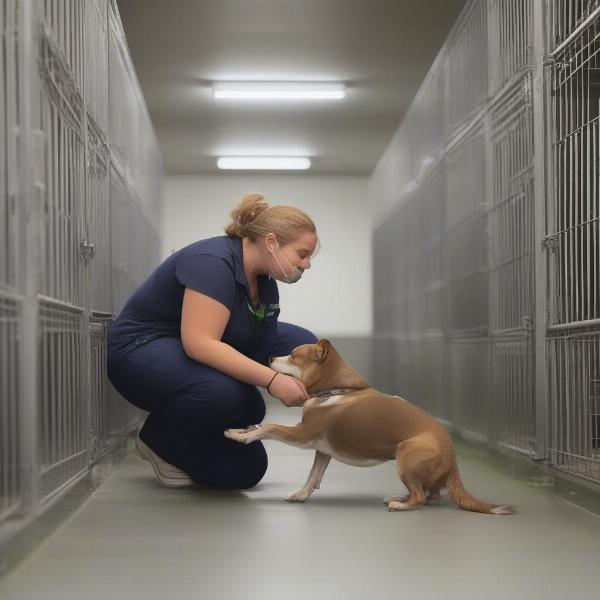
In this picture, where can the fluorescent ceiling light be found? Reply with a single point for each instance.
(274, 90)
(264, 163)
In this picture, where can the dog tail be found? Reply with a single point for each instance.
(466, 501)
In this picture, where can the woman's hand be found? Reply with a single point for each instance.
(289, 390)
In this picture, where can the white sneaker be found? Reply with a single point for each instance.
(166, 473)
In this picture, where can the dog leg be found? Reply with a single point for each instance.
(416, 461)
(416, 498)
(314, 478)
(294, 436)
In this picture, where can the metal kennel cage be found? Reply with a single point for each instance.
(520, 285)
(573, 239)
(72, 248)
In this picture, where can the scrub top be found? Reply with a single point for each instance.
(213, 267)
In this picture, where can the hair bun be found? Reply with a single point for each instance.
(253, 218)
(245, 213)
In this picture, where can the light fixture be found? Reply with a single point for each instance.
(278, 90)
(264, 163)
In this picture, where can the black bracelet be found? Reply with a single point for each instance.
(270, 382)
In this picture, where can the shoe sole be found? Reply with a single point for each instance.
(170, 482)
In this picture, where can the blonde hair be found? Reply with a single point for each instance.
(253, 217)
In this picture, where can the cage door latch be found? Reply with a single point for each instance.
(527, 323)
(551, 242)
(87, 251)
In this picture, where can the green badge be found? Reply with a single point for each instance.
(258, 312)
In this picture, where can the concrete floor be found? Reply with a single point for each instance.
(135, 539)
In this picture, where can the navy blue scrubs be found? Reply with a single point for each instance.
(190, 403)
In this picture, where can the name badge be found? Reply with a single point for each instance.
(272, 309)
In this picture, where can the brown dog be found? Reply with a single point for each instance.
(357, 425)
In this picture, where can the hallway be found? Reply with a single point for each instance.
(134, 539)
(430, 170)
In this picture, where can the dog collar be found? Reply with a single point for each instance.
(332, 392)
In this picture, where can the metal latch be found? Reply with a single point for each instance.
(527, 323)
(551, 242)
(87, 251)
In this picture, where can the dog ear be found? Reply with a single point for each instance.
(322, 349)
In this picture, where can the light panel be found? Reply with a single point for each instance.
(278, 90)
(264, 163)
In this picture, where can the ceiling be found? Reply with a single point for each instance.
(381, 49)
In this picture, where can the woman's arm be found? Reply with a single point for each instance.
(203, 321)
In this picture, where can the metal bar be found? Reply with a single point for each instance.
(574, 325)
(63, 461)
(591, 17)
(28, 195)
(539, 88)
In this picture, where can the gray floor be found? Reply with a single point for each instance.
(135, 539)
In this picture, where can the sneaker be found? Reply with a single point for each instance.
(167, 474)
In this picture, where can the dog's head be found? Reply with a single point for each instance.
(302, 359)
(318, 366)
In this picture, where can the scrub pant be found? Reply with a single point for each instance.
(190, 404)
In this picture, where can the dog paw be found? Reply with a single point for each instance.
(394, 506)
(238, 435)
(297, 497)
(389, 499)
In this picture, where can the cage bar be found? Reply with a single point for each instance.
(512, 266)
(62, 126)
(121, 284)
(575, 217)
(432, 220)
(63, 23)
(97, 221)
(513, 392)
(510, 39)
(9, 107)
(566, 16)
(423, 138)
(96, 62)
(10, 334)
(100, 407)
(467, 232)
(574, 385)
(63, 437)
(467, 76)
(511, 215)
(426, 373)
(469, 384)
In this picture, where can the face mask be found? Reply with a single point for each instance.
(295, 272)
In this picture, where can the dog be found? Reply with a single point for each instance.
(348, 420)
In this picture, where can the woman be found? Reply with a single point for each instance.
(194, 341)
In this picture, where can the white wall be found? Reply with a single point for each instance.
(334, 296)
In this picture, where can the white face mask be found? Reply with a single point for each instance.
(295, 272)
